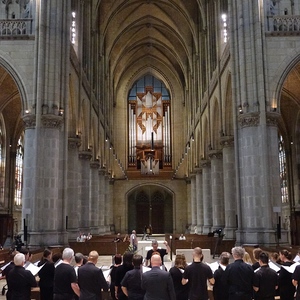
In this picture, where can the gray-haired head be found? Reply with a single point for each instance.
(68, 254)
(19, 259)
(238, 252)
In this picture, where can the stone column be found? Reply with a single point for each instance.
(217, 186)
(73, 212)
(259, 179)
(207, 203)
(94, 187)
(45, 114)
(109, 198)
(193, 203)
(229, 187)
(43, 203)
(84, 196)
(199, 200)
(101, 191)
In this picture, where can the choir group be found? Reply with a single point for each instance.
(61, 277)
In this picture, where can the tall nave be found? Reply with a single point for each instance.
(182, 115)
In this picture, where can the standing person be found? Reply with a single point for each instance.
(247, 259)
(113, 272)
(181, 291)
(256, 252)
(131, 283)
(5, 272)
(19, 280)
(155, 248)
(158, 283)
(220, 289)
(65, 280)
(265, 281)
(118, 239)
(133, 240)
(286, 287)
(239, 276)
(120, 273)
(9, 266)
(46, 275)
(91, 279)
(197, 275)
(296, 281)
(79, 258)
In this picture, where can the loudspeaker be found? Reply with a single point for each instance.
(25, 231)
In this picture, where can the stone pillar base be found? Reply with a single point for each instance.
(229, 233)
(46, 239)
(73, 233)
(260, 237)
(206, 229)
(200, 229)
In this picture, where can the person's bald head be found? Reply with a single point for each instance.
(155, 260)
(93, 256)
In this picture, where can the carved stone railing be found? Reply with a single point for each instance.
(287, 24)
(16, 28)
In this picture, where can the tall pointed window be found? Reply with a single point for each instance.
(2, 162)
(19, 172)
(149, 126)
(283, 172)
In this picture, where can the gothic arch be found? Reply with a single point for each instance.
(150, 204)
(280, 76)
(289, 127)
(17, 80)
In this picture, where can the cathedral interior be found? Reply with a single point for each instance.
(182, 115)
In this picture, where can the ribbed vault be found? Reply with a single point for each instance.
(140, 33)
(160, 38)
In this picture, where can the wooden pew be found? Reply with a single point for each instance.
(103, 247)
(4, 256)
(202, 241)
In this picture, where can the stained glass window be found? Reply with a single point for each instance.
(149, 80)
(19, 172)
(2, 162)
(283, 172)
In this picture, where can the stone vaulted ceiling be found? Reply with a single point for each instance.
(10, 104)
(160, 36)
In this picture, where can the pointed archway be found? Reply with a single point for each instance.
(150, 205)
(11, 130)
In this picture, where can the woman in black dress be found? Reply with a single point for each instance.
(181, 291)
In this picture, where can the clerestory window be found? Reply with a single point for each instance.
(283, 171)
(19, 172)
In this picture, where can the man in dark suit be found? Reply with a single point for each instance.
(19, 280)
(158, 283)
(238, 276)
(91, 279)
